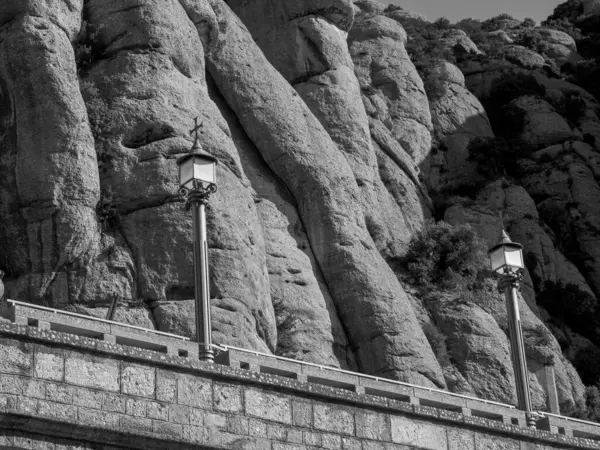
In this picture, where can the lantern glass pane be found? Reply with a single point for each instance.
(186, 174)
(497, 259)
(204, 170)
(514, 257)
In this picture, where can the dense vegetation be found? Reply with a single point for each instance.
(443, 255)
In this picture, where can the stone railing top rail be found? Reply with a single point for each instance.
(174, 345)
(570, 419)
(95, 319)
(362, 375)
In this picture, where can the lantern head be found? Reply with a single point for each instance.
(197, 168)
(506, 257)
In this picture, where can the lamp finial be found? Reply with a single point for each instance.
(505, 238)
(196, 146)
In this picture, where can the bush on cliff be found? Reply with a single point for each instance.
(585, 410)
(475, 31)
(496, 23)
(592, 403)
(512, 86)
(496, 157)
(423, 42)
(443, 255)
(107, 208)
(587, 363)
(390, 8)
(569, 10)
(85, 47)
(528, 22)
(565, 26)
(434, 88)
(571, 106)
(586, 73)
(506, 120)
(576, 308)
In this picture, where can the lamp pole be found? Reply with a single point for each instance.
(198, 200)
(197, 183)
(507, 260)
(1, 285)
(509, 284)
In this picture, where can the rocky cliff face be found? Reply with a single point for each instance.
(336, 143)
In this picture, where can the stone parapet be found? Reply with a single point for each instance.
(90, 390)
(105, 383)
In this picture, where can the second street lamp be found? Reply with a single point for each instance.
(197, 181)
(506, 259)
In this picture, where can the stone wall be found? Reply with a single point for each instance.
(59, 390)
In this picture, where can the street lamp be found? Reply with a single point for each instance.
(197, 177)
(506, 259)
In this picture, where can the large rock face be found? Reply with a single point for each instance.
(558, 46)
(542, 125)
(391, 83)
(478, 347)
(329, 142)
(300, 151)
(591, 7)
(523, 57)
(458, 118)
(566, 191)
(51, 184)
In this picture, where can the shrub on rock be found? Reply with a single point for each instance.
(442, 254)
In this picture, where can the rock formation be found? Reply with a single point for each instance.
(338, 137)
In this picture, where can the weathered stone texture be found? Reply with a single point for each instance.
(382, 64)
(268, 406)
(334, 418)
(138, 380)
(228, 398)
(418, 434)
(372, 425)
(92, 372)
(49, 366)
(329, 141)
(193, 391)
(15, 357)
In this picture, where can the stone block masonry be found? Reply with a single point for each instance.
(61, 391)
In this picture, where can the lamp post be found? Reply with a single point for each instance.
(506, 259)
(1, 285)
(197, 177)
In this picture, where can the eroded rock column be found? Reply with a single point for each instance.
(373, 306)
(308, 324)
(50, 183)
